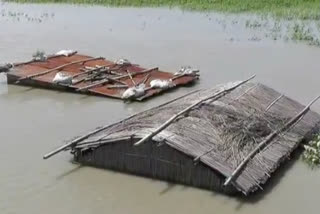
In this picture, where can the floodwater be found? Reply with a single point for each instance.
(34, 121)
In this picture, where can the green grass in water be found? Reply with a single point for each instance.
(301, 9)
(311, 154)
(301, 33)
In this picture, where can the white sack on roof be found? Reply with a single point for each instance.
(65, 53)
(187, 70)
(62, 78)
(123, 62)
(163, 84)
(134, 92)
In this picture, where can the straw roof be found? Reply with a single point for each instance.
(220, 134)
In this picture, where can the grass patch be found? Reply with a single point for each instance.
(301, 9)
(304, 34)
(311, 154)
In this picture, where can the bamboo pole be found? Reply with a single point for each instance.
(77, 140)
(145, 79)
(86, 72)
(8, 66)
(206, 152)
(174, 117)
(115, 78)
(246, 92)
(274, 102)
(183, 75)
(57, 68)
(34, 60)
(132, 80)
(103, 141)
(82, 73)
(269, 139)
(73, 142)
(117, 86)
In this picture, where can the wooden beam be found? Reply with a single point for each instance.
(57, 68)
(274, 102)
(86, 72)
(117, 86)
(34, 60)
(143, 81)
(174, 117)
(132, 80)
(115, 78)
(267, 140)
(246, 92)
(73, 142)
(206, 152)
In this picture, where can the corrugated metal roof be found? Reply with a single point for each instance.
(25, 71)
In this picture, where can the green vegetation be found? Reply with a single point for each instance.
(307, 32)
(311, 155)
(304, 34)
(302, 9)
(253, 24)
(276, 31)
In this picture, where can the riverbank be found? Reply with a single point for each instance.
(289, 9)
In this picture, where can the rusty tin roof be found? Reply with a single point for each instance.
(30, 74)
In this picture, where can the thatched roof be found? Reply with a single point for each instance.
(222, 133)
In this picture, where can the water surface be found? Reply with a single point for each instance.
(34, 121)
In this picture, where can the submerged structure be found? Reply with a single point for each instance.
(230, 138)
(67, 70)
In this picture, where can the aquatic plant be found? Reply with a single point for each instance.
(301, 33)
(253, 24)
(275, 32)
(305, 34)
(23, 16)
(311, 154)
(302, 9)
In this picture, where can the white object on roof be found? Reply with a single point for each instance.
(62, 78)
(134, 92)
(187, 70)
(163, 84)
(65, 53)
(123, 62)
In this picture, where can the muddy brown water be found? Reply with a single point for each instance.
(33, 121)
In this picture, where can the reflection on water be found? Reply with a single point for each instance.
(34, 121)
(3, 84)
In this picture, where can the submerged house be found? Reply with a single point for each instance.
(230, 138)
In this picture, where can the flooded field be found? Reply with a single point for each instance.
(223, 47)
